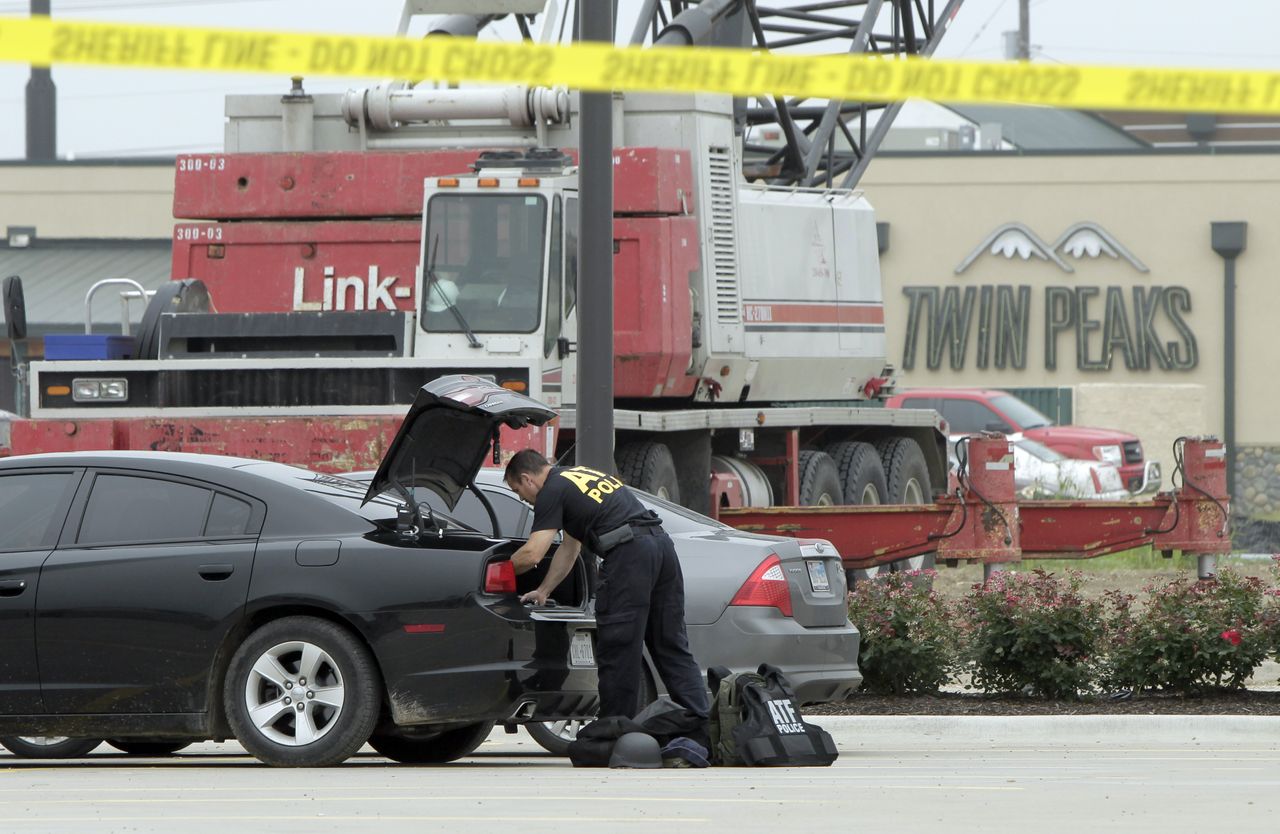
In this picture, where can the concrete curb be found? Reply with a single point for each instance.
(1076, 731)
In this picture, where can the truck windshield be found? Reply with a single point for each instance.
(1024, 415)
(484, 253)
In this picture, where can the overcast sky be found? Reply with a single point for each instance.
(118, 112)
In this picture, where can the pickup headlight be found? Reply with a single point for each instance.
(1110, 454)
(99, 390)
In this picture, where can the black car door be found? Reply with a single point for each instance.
(148, 578)
(33, 506)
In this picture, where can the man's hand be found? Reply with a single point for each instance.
(538, 597)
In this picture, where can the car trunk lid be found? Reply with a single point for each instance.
(444, 438)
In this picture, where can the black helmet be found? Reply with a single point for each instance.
(639, 750)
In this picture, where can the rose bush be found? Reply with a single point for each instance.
(909, 638)
(1189, 635)
(1032, 632)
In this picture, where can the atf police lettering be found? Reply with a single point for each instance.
(595, 485)
(582, 501)
(784, 717)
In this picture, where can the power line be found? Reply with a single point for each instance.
(982, 28)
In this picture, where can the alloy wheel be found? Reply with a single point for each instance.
(294, 693)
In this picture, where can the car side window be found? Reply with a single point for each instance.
(126, 508)
(919, 402)
(968, 415)
(228, 516)
(32, 508)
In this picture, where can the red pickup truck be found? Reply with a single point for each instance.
(969, 410)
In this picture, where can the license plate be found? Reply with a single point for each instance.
(580, 651)
(818, 574)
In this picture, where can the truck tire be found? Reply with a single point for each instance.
(819, 480)
(862, 479)
(342, 677)
(648, 465)
(907, 475)
(861, 473)
(441, 748)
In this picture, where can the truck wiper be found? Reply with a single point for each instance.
(433, 282)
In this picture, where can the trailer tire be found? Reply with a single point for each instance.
(861, 473)
(648, 465)
(907, 475)
(819, 480)
(905, 470)
(862, 479)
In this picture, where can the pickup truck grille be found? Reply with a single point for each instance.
(1132, 451)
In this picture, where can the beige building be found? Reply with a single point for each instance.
(1093, 273)
(1086, 273)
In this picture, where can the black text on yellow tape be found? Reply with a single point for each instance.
(44, 42)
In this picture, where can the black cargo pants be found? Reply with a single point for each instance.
(640, 602)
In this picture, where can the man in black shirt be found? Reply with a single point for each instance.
(640, 599)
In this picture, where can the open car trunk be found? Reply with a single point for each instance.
(573, 592)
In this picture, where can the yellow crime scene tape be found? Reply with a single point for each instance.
(44, 41)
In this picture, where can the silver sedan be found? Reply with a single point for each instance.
(749, 599)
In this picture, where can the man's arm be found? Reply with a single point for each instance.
(561, 564)
(532, 551)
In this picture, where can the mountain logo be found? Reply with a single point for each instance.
(1080, 241)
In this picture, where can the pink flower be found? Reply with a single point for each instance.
(1231, 636)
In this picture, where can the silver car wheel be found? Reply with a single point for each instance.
(44, 741)
(567, 730)
(294, 694)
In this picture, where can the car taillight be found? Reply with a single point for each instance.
(767, 586)
(500, 578)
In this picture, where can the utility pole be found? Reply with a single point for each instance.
(595, 275)
(42, 105)
(1024, 30)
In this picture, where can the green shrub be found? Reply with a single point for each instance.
(1188, 635)
(1032, 632)
(909, 636)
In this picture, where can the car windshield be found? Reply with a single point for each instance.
(1021, 413)
(483, 263)
(1039, 450)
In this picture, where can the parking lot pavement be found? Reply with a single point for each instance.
(1060, 778)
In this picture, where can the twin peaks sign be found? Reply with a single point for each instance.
(1137, 326)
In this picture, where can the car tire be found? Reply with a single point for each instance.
(648, 465)
(441, 748)
(292, 655)
(556, 736)
(49, 747)
(819, 480)
(142, 747)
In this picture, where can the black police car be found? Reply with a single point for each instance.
(153, 596)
